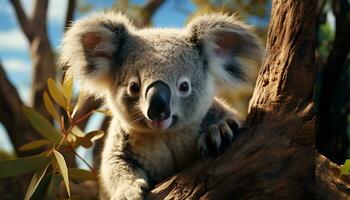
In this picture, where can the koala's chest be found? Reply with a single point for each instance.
(164, 155)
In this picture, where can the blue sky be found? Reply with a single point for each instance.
(14, 48)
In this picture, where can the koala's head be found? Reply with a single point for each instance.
(159, 79)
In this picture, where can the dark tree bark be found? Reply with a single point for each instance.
(273, 156)
(330, 183)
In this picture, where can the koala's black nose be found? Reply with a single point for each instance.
(158, 96)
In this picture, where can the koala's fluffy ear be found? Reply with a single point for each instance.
(90, 46)
(227, 44)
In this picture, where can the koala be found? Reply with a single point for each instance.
(160, 85)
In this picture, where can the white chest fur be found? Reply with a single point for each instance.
(164, 154)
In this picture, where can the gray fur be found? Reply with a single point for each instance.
(105, 52)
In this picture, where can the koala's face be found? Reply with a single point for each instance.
(162, 82)
(158, 79)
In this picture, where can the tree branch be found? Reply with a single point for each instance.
(69, 14)
(147, 12)
(40, 15)
(11, 116)
(24, 23)
(287, 41)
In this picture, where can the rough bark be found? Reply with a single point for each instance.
(273, 157)
(329, 182)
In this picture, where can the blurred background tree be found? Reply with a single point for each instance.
(333, 83)
(332, 91)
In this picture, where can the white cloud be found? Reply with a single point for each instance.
(57, 11)
(13, 39)
(16, 65)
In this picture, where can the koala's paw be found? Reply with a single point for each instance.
(136, 191)
(217, 138)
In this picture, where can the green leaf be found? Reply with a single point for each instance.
(345, 169)
(50, 107)
(56, 93)
(77, 131)
(34, 144)
(67, 89)
(71, 138)
(22, 165)
(95, 135)
(42, 125)
(63, 169)
(81, 175)
(39, 174)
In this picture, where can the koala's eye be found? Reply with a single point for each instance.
(184, 86)
(134, 88)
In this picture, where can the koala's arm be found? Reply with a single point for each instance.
(217, 129)
(121, 177)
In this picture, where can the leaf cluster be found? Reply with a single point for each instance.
(50, 167)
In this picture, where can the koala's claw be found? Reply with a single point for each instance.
(218, 137)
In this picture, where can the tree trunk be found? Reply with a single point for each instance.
(330, 184)
(274, 156)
